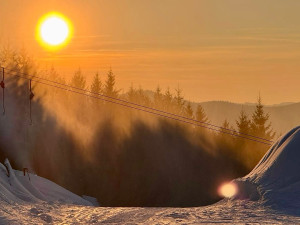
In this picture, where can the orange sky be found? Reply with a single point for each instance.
(214, 49)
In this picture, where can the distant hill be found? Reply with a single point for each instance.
(283, 116)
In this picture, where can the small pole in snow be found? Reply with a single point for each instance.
(24, 171)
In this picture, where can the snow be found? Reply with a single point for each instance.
(276, 178)
(17, 188)
(269, 194)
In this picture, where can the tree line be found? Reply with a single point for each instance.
(133, 155)
(257, 124)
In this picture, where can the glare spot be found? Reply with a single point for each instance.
(228, 190)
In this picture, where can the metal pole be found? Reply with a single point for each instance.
(3, 86)
(30, 97)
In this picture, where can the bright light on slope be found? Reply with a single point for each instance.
(228, 190)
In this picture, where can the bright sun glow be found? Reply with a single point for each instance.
(54, 30)
(228, 190)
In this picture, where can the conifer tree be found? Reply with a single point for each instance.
(225, 124)
(179, 101)
(225, 132)
(143, 99)
(225, 128)
(109, 87)
(78, 80)
(96, 86)
(54, 76)
(168, 100)
(201, 115)
(131, 94)
(158, 97)
(189, 111)
(243, 123)
(259, 124)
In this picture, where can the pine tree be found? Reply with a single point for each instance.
(243, 123)
(179, 101)
(259, 125)
(78, 80)
(143, 99)
(158, 98)
(189, 111)
(109, 87)
(54, 76)
(225, 127)
(168, 100)
(131, 94)
(225, 124)
(96, 86)
(201, 115)
(225, 131)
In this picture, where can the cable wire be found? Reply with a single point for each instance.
(146, 107)
(132, 107)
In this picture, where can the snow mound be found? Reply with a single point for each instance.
(276, 178)
(17, 188)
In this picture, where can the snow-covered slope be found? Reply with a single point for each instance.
(17, 188)
(275, 182)
(276, 178)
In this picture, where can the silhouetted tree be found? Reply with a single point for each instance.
(243, 128)
(131, 94)
(167, 100)
(243, 123)
(201, 115)
(158, 98)
(189, 111)
(224, 129)
(109, 86)
(179, 101)
(143, 99)
(226, 124)
(78, 80)
(138, 96)
(53, 75)
(96, 86)
(260, 125)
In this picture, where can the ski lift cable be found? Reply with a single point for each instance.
(146, 107)
(141, 109)
(132, 107)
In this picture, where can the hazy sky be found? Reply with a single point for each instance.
(213, 49)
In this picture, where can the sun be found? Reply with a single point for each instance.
(54, 30)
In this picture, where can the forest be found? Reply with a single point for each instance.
(122, 156)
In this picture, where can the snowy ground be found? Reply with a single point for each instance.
(224, 212)
(273, 184)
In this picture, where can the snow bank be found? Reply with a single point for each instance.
(17, 188)
(276, 178)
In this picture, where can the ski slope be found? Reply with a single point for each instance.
(276, 178)
(269, 194)
(17, 188)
